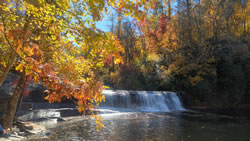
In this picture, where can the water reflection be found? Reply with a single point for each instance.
(155, 126)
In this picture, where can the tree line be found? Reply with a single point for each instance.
(199, 47)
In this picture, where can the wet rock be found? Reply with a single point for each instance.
(22, 129)
(29, 128)
(21, 133)
(47, 134)
(26, 106)
(60, 119)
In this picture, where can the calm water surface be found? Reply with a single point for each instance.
(171, 126)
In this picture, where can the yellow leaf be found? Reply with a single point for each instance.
(19, 67)
(36, 78)
(106, 87)
(47, 97)
(28, 51)
(126, 14)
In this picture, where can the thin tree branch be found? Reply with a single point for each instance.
(6, 38)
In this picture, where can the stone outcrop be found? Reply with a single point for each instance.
(5, 92)
(37, 93)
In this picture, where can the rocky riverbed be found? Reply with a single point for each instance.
(37, 118)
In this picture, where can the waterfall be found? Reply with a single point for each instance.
(150, 101)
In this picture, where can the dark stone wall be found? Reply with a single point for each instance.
(5, 92)
(37, 94)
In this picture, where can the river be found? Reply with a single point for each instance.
(151, 116)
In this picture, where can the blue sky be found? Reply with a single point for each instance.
(104, 24)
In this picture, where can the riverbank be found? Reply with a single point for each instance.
(24, 130)
(241, 111)
(35, 118)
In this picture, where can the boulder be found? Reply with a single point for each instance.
(37, 93)
(5, 93)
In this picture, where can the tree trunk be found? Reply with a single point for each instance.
(144, 49)
(169, 10)
(9, 117)
(180, 23)
(189, 26)
(20, 100)
(200, 21)
(244, 13)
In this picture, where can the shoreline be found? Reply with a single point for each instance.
(241, 111)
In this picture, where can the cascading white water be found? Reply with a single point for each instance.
(151, 101)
